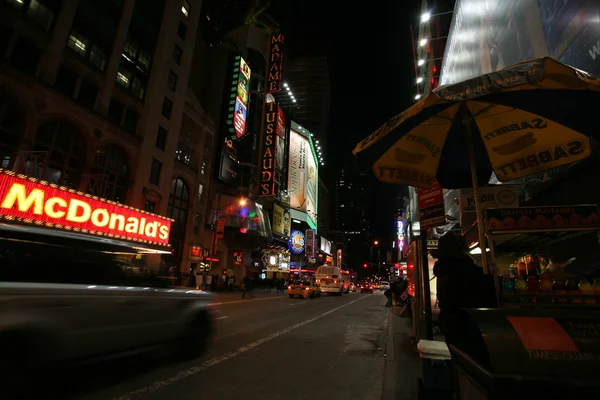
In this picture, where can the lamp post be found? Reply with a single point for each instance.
(375, 244)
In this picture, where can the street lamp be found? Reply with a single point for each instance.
(427, 16)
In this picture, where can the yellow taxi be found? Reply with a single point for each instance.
(304, 289)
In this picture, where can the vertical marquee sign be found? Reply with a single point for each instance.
(275, 72)
(269, 151)
(239, 98)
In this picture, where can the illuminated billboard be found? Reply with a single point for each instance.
(29, 201)
(239, 98)
(488, 35)
(303, 173)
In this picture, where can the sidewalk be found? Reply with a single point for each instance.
(402, 362)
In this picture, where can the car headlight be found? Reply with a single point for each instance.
(307, 289)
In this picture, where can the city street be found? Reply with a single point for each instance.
(269, 347)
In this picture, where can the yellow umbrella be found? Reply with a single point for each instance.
(524, 119)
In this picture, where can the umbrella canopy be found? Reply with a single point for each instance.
(524, 119)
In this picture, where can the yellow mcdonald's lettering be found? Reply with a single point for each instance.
(50, 207)
(100, 217)
(78, 211)
(18, 194)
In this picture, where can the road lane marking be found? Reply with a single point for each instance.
(221, 317)
(210, 363)
(244, 301)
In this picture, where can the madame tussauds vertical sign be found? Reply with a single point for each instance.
(275, 73)
(269, 151)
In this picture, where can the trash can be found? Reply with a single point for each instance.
(527, 354)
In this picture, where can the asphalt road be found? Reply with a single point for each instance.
(269, 347)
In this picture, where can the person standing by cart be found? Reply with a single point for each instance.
(460, 283)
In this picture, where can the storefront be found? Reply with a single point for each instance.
(34, 211)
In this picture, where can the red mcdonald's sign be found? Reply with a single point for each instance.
(30, 201)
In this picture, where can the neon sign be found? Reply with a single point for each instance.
(30, 201)
(275, 75)
(269, 151)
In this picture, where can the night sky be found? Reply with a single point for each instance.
(369, 49)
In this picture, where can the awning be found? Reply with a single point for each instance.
(65, 238)
(532, 242)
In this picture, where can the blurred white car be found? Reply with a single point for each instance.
(65, 307)
(385, 285)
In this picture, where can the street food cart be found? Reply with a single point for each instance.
(544, 256)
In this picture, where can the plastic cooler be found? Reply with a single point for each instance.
(436, 365)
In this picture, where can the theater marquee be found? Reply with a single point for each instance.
(30, 201)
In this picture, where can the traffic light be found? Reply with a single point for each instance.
(365, 265)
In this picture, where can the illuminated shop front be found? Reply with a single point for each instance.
(35, 210)
(239, 226)
(276, 261)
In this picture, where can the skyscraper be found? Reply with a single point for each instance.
(310, 82)
(352, 210)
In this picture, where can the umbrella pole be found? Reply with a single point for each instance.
(478, 210)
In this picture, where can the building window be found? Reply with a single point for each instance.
(138, 88)
(78, 43)
(177, 54)
(12, 125)
(149, 206)
(182, 30)
(40, 14)
(161, 138)
(179, 201)
(66, 150)
(155, 172)
(172, 82)
(167, 108)
(98, 58)
(185, 8)
(200, 191)
(123, 77)
(111, 161)
(185, 155)
(196, 223)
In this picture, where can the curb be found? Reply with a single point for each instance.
(389, 375)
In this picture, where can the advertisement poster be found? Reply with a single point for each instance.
(296, 242)
(239, 118)
(280, 158)
(572, 29)
(302, 175)
(280, 129)
(240, 91)
(281, 220)
(488, 35)
(431, 206)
